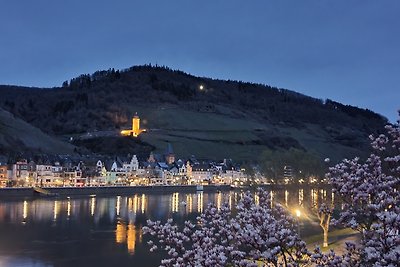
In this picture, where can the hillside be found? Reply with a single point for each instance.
(201, 116)
(17, 136)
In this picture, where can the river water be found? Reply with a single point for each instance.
(106, 231)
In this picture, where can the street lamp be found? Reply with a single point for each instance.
(298, 213)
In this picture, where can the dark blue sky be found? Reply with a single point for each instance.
(345, 50)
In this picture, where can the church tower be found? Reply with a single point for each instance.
(169, 154)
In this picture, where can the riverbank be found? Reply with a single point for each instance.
(28, 192)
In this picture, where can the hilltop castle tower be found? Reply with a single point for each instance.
(135, 131)
(136, 125)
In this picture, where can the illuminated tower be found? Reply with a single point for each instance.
(135, 131)
(136, 125)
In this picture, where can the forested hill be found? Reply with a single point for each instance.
(195, 113)
(17, 136)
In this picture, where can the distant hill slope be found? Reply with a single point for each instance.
(17, 136)
(201, 116)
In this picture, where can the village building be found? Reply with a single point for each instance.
(189, 171)
(88, 169)
(31, 173)
(95, 173)
(20, 173)
(163, 175)
(158, 169)
(72, 175)
(3, 174)
(115, 172)
(132, 166)
(151, 173)
(141, 171)
(180, 164)
(181, 176)
(57, 174)
(99, 166)
(233, 176)
(44, 173)
(201, 174)
(287, 175)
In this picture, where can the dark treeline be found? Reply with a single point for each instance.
(100, 91)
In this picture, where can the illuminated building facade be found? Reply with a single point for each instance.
(135, 131)
(20, 170)
(3, 174)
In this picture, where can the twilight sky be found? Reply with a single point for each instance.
(345, 50)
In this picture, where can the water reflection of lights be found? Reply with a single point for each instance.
(56, 209)
(189, 203)
(286, 197)
(256, 199)
(25, 210)
(323, 194)
(219, 200)
(178, 202)
(135, 203)
(143, 203)
(200, 202)
(271, 198)
(92, 205)
(130, 204)
(127, 234)
(301, 197)
(131, 238)
(68, 208)
(314, 197)
(175, 202)
(120, 232)
(140, 235)
(118, 207)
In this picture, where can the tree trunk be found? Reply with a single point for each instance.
(325, 244)
(324, 223)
